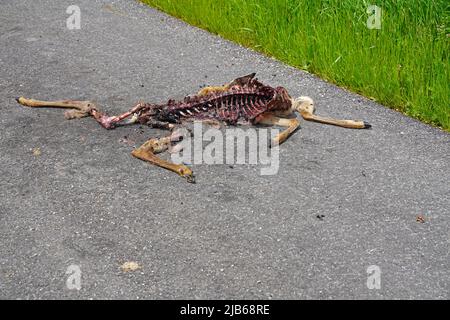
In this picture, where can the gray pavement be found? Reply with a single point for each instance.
(235, 234)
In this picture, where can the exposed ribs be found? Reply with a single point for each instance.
(245, 99)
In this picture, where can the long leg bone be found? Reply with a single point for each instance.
(83, 109)
(305, 106)
(147, 152)
(291, 124)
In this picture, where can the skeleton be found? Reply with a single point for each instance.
(243, 100)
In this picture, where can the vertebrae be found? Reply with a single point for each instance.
(243, 100)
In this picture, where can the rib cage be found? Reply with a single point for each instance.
(244, 99)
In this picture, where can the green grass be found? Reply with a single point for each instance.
(404, 65)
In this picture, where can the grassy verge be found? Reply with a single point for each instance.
(404, 65)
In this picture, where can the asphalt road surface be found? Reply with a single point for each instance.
(75, 202)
